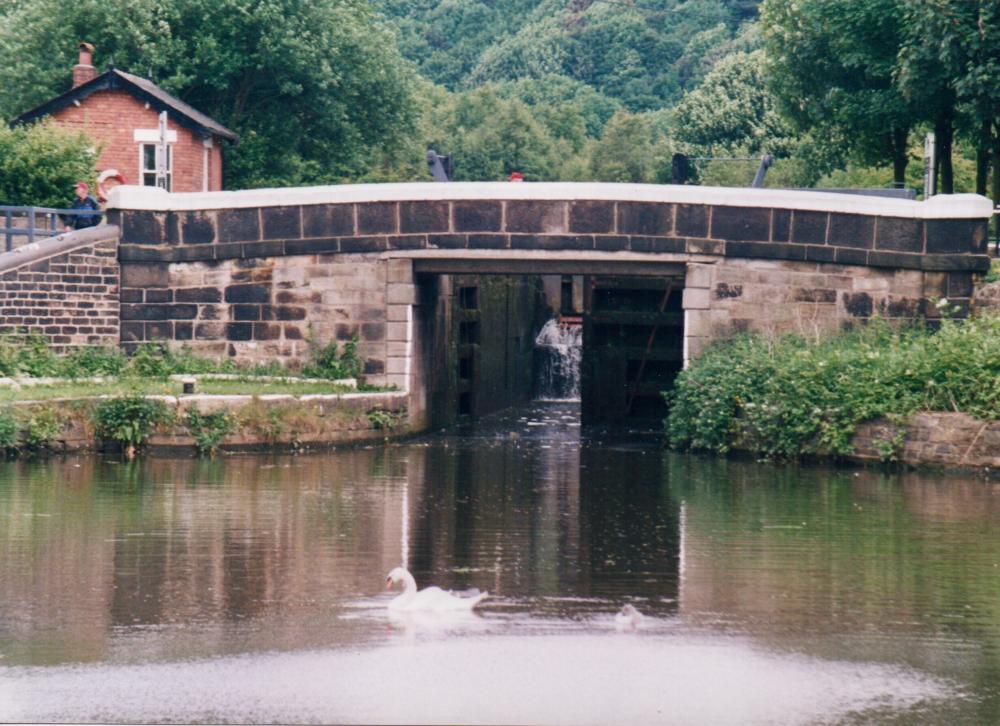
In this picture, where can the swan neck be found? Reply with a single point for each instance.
(409, 583)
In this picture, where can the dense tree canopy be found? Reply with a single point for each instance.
(315, 88)
(867, 73)
(324, 91)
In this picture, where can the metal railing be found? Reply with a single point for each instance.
(32, 222)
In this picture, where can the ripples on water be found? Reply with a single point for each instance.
(248, 589)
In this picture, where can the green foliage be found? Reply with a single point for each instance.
(383, 420)
(208, 429)
(315, 88)
(788, 397)
(8, 431)
(623, 152)
(41, 163)
(831, 66)
(327, 362)
(994, 274)
(731, 112)
(43, 427)
(159, 360)
(92, 361)
(129, 420)
(554, 97)
(27, 354)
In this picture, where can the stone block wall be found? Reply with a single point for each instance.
(65, 288)
(767, 296)
(260, 309)
(944, 439)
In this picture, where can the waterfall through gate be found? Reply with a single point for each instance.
(558, 350)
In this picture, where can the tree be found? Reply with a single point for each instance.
(623, 153)
(315, 88)
(731, 111)
(40, 164)
(489, 137)
(831, 65)
(950, 63)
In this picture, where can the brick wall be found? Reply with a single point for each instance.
(110, 117)
(71, 296)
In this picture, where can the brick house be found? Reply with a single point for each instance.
(120, 111)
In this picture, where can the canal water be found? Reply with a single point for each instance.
(250, 589)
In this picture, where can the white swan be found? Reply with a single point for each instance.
(629, 618)
(430, 598)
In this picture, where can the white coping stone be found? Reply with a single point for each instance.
(28, 382)
(186, 378)
(951, 206)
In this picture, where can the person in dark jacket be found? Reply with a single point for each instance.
(84, 201)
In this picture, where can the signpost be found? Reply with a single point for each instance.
(162, 150)
(930, 161)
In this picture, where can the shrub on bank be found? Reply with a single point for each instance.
(790, 397)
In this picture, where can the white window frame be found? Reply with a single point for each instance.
(143, 170)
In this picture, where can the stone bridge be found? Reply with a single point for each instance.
(255, 274)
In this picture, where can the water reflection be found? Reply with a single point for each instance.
(771, 594)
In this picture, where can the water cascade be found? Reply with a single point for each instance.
(558, 349)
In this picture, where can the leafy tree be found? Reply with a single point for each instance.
(446, 38)
(831, 65)
(950, 64)
(489, 137)
(40, 163)
(551, 94)
(623, 153)
(315, 88)
(732, 112)
(626, 51)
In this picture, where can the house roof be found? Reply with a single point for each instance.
(141, 88)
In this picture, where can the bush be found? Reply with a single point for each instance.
(789, 397)
(92, 361)
(8, 430)
(208, 429)
(43, 428)
(40, 163)
(27, 354)
(328, 363)
(129, 420)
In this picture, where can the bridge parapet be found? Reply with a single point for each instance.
(944, 234)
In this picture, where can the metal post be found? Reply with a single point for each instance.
(765, 163)
(7, 232)
(31, 225)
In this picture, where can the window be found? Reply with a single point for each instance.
(147, 165)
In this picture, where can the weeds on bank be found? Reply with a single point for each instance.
(29, 355)
(208, 429)
(129, 421)
(789, 397)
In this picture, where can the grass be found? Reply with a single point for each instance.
(994, 274)
(150, 387)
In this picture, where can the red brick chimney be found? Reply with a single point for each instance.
(84, 70)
